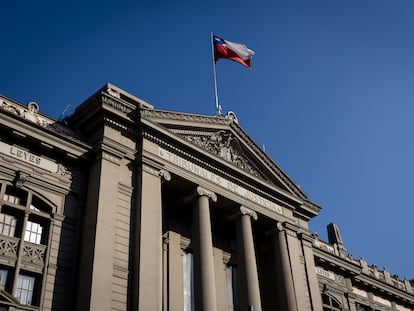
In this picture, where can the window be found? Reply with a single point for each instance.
(24, 289)
(7, 224)
(361, 307)
(25, 220)
(33, 233)
(232, 288)
(330, 303)
(188, 281)
(3, 277)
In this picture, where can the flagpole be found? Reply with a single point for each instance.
(218, 108)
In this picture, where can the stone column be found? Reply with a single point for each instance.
(286, 287)
(148, 264)
(20, 253)
(204, 276)
(249, 280)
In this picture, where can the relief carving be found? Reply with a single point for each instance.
(31, 113)
(227, 147)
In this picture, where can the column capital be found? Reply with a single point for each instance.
(204, 192)
(164, 174)
(246, 211)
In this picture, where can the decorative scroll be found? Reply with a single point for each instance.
(204, 192)
(164, 174)
(246, 211)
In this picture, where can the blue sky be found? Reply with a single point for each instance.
(330, 95)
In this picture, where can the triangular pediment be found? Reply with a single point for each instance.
(225, 140)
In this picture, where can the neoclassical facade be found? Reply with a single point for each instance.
(121, 206)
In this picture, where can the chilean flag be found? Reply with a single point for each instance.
(234, 51)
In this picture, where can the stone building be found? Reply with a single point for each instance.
(122, 206)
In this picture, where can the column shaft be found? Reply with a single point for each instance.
(204, 275)
(286, 288)
(249, 285)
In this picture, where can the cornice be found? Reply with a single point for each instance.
(181, 116)
(163, 137)
(355, 271)
(193, 118)
(31, 114)
(378, 285)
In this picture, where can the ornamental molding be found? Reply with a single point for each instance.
(117, 104)
(179, 116)
(120, 127)
(31, 114)
(162, 173)
(110, 157)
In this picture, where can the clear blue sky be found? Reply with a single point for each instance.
(330, 95)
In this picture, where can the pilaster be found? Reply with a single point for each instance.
(96, 266)
(315, 295)
(286, 294)
(148, 263)
(298, 268)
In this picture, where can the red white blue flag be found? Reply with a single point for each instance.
(230, 50)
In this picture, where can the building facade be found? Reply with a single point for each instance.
(122, 206)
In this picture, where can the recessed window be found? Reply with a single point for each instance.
(188, 281)
(330, 303)
(24, 289)
(3, 277)
(15, 195)
(7, 224)
(232, 281)
(33, 233)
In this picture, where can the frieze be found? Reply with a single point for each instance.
(231, 179)
(218, 180)
(31, 113)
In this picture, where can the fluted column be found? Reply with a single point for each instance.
(204, 277)
(286, 286)
(249, 280)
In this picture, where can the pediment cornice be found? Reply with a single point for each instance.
(224, 138)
